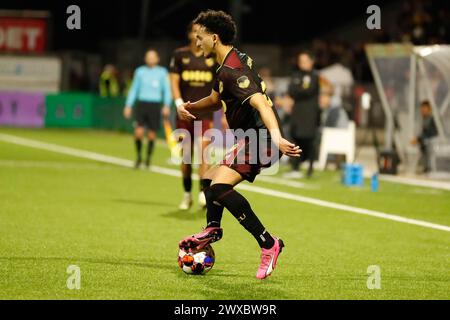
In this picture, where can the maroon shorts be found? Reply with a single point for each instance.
(204, 125)
(249, 159)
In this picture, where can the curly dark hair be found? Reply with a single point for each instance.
(218, 22)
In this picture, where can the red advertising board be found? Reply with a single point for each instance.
(24, 35)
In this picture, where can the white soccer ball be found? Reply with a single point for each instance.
(197, 261)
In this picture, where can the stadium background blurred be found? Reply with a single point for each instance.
(66, 198)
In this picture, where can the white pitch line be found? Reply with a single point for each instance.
(270, 192)
(53, 165)
(417, 182)
(65, 150)
(285, 182)
(343, 207)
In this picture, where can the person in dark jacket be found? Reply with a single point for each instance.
(304, 89)
(429, 131)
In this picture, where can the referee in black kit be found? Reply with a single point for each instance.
(151, 90)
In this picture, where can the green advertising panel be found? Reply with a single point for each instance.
(85, 110)
(69, 110)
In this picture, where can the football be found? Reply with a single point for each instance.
(197, 261)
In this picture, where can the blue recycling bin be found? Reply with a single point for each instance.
(352, 174)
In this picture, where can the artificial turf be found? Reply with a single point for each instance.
(122, 226)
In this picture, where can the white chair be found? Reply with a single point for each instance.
(337, 141)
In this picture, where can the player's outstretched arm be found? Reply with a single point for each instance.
(259, 102)
(187, 110)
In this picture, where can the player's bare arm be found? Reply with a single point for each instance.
(258, 102)
(175, 86)
(187, 110)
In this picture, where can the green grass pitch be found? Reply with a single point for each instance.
(121, 228)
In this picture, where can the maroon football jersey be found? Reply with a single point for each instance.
(236, 82)
(196, 75)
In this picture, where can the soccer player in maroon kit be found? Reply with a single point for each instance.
(191, 77)
(241, 92)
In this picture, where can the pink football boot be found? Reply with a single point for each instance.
(269, 259)
(202, 239)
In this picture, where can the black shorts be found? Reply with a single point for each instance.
(148, 114)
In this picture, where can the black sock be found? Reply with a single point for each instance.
(138, 143)
(295, 164)
(214, 211)
(187, 184)
(310, 168)
(241, 210)
(150, 146)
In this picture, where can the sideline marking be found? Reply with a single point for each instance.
(176, 173)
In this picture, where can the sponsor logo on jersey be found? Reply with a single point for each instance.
(186, 60)
(197, 76)
(243, 82)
